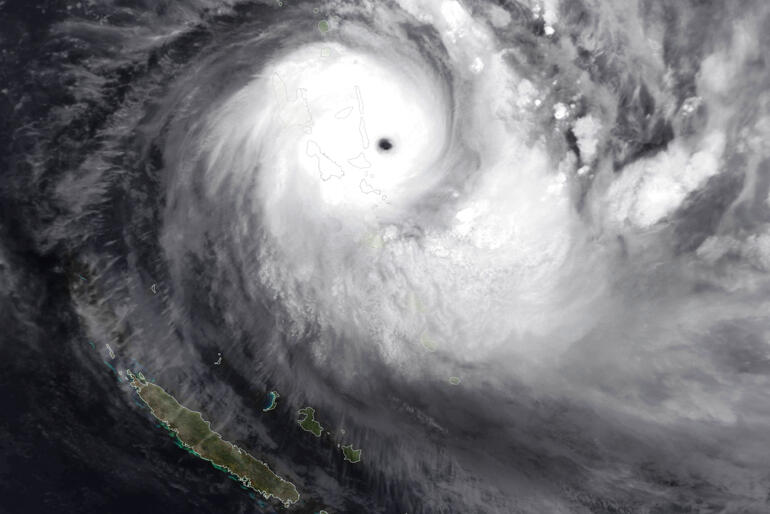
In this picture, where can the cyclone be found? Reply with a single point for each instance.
(426, 230)
(516, 252)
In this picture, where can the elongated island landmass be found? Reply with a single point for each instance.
(196, 434)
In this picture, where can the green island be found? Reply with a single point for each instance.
(272, 401)
(196, 435)
(350, 454)
(308, 422)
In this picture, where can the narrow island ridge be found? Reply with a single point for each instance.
(196, 434)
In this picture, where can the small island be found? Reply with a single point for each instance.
(196, 435)
(308, 422)
(272, 401)
(350, 454)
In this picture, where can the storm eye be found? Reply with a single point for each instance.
(385, 144)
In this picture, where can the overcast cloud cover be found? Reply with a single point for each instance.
(570, 221)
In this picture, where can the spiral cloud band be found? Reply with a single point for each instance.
(515, 251)
(385, 199)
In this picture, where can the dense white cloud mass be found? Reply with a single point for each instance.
(561, 205)
(419, 207)
(301, 148)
